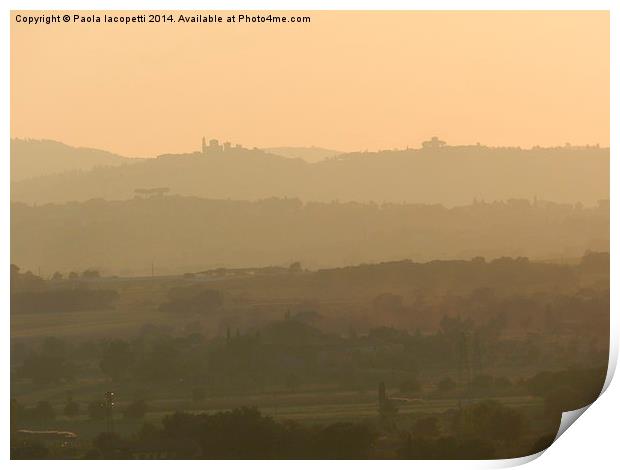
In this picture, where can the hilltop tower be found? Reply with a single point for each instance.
(214, 146)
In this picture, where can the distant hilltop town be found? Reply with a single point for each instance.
(215, 147)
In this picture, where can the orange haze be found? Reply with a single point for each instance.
(347, 80)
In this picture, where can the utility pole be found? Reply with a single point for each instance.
(109, 403)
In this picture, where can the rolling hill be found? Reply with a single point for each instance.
(447, 175)
(34, 158)
(181, 234)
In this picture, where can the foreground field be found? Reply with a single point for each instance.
(472, 359)
(317, 408)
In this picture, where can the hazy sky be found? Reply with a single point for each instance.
(347, 80)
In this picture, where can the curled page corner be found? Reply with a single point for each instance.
(568, 418)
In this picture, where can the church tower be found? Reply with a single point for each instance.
(204, 146)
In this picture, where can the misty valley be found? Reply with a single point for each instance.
(301, 303)
(458, 359)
